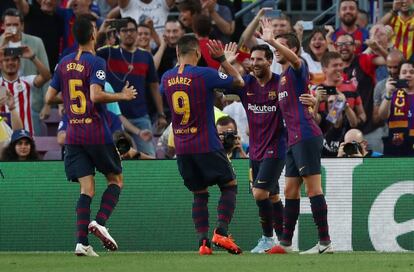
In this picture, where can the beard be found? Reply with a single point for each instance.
(349, 21)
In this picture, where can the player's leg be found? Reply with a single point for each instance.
(79, 168)
(194, 181)
(277, 167)
(108, 162)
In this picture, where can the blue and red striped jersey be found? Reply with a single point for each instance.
(267, 133)
(190, 96)
(298, 119)
(138, 69)
(359, 35)
(87, 121)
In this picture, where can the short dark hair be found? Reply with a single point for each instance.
(174, 20)
(194, 6)
(186, 44)
(342, 1)
(410, 62)
(12, 12)
(202, 25)
(265, 48)
(82, 29)
(131, 20)
(328, 56)
(346, 34)
(226, 120)
(143, 25)
(292, 40)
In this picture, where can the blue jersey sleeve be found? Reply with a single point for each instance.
(98, 72)
(217, 80)
(55, 83)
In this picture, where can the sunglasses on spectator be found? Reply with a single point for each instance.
(339, 44)
(130, 30)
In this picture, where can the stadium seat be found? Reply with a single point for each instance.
(45, 144)
(50, 125)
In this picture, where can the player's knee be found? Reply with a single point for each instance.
(229, 188)
(292, 192)
(88, 191)
(260, 194)
(275, 198)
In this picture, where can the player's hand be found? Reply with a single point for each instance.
(307, 99)
(267, 30)
(215, 48)
(145, 135)
(128, 92)
(230, 52)
(27, 52)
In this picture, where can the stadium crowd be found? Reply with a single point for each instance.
(361, 74)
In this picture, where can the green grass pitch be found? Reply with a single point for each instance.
(219, 261)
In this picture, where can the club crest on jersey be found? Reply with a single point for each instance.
(283, 80)
(100, 74)
(222, 75)
(272, 95)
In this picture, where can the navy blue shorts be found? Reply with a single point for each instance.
(200, 171)
(82, 160)
(266, 173)
(304, 158)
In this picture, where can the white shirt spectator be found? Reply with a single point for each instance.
(157, 10)
(20, 89)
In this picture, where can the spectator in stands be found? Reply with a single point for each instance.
(397, 108)
(144, 37)
(339, 110)
(13, 37)
(189, 9)
(166, 56)
(140, 10)
(394, 60)
(8, 121)
(107, 38)
(379, 43)
(227, 130)
(362, 19)
(348, 14)
(21, 148)
(105, 6)
(222, 19)
(44, 22)
(22, 86)
(129, 63)
(360, 70)
(400, 18)
(355, 146)
(202, 29)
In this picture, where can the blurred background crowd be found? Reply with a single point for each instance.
(359, 55)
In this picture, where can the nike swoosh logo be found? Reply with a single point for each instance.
(300, 169)
(260, 181)
(322, 251)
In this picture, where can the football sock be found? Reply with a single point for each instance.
(320, 217)
(290, 216)
(108, 202)
(83, 214)
(225, 208)
(265, 214)
(278, 218)
(200, 215)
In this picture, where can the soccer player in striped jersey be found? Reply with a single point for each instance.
(201, 159)
(303, 158)
(267, 143)
(78, 84)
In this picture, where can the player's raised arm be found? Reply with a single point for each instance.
(217, 52)
(282, 49)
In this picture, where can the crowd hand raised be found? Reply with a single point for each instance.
(128, 92)
(145, 135)
(390, 86)
(320, 93)
(230, 52)
(27, 52)
(215, 48)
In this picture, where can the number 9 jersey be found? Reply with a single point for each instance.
(190, 94)
(87, 121)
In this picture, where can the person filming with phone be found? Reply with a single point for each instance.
(338, 107)
(397, 109)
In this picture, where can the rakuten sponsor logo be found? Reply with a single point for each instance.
(261, 109)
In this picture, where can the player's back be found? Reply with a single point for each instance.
(190, 96)
(87, 120)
